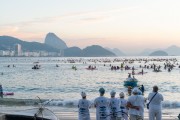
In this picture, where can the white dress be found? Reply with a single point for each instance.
(83, 106)
(102, 108)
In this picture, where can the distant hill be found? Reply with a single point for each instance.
(73, 52)
(147, 52)
(158, 53)
(54, 41)
(173, 50)
(116, 51)
(97, 51)
(8, 43)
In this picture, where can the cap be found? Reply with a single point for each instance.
(112, 93)
(121, 94)
(83, 94)
(135, 90)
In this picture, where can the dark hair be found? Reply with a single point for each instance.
(155, 88)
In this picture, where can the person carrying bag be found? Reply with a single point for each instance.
(151, 100)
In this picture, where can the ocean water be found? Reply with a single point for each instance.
(62, 85)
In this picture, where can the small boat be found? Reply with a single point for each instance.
(8, 93)
(32, 114)
(157, 70)
(40, 113)
(74, 68)
(35, 67)
(91, 69)
(130, 82)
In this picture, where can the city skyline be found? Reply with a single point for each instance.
(128, 25)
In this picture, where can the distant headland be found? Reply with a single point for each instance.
(54, 46)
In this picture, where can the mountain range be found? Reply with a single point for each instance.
(90, 51)
(8, 43)
(116, 51)
(171, 51)
(158, 53)
(53, 43)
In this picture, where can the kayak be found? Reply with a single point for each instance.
(139, 73)
(8, 93)
(91, 69)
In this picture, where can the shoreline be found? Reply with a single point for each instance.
(72, 113)
(74, 116)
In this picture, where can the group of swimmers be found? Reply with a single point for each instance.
(119, 108)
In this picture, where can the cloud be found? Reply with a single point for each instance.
(82, 16)
(5, 29)
(98, 18)
(15, 32)
(33, 28)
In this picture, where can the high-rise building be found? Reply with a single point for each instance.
(18, 50)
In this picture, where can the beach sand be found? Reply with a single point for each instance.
(74, 116)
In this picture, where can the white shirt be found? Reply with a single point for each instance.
(115, 106)
(83, 106)
(137, 100)
(156, 101)
(123, 104)
(102, 108)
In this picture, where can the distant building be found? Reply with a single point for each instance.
(18, 50)
(61, 54)
(1, 52)
(43, 54)
(6, 53)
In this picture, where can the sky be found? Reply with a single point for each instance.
(130, 25)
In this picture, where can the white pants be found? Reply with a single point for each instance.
(155, 115)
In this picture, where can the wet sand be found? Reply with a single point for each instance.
(74, 116)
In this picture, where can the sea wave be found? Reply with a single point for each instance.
(171, 104)
(73, 103)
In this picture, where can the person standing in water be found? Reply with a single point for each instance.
(1, 91)
(101, 104)
(84, 106)
(142, 89)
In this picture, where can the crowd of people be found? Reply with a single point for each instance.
(120, 108)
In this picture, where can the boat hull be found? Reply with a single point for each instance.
(23, 117)
(130, 83)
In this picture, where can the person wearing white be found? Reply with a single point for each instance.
(136, 105)
(155, 105)
(114, 107)
(101, 104)
(84, 106)
(123, 108)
